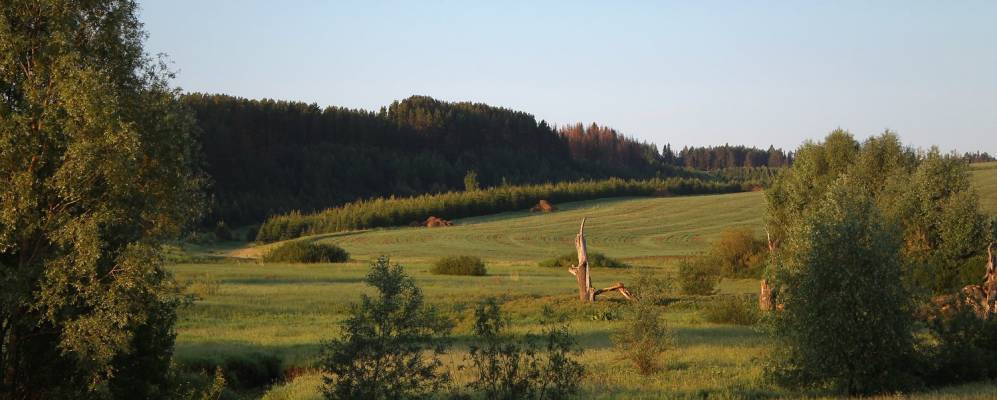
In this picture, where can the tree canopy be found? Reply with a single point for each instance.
(98, 158)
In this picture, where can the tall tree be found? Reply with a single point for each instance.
(847, 323)
(97, 158)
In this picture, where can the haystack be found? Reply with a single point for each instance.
(543, 206)
(433, 222)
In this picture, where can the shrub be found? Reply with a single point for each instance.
(248, 370)
(530, 367)
(847, 323)
(596, 260)
(306, 252)
(965, 347)
(390, 345)
(739, 253)
(698, 276)
(459, 265)
(643, 338)
(737, 310)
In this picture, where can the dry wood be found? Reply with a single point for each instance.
(983, 298)
(583, 276)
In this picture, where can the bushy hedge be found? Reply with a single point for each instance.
(306, 252)
(459, 265)
(596, 260)
(730, 309)
(698, 276)
(391, 211)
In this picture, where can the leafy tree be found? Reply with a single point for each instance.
(97, 162)
(928, 195)
(644, 337)
(738, 252)
(391, 344)
(847, 322)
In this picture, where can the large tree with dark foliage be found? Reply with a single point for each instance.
(96, 160)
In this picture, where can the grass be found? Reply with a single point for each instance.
(985, 179)
(287, 310)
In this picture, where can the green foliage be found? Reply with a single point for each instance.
(531, 367)
(390, 345)
(928, 195)
(733, 309)
(739, 253)
(393, 211)
(97, 164)
(459, 265)
(847, 323)
(644, 337)
(698, 276)
(964, 346)
(244, 371)
(301, 251)
(471, 181)
(595, 259)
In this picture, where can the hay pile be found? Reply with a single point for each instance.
(433, 222)
(543, 206)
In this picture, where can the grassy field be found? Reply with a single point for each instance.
(985, 179)
(286, 311)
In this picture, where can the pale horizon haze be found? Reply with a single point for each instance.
(684, 73)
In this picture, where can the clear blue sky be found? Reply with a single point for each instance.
(685, 73)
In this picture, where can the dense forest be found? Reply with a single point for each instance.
(268, 157)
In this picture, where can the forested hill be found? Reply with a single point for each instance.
(267, 157)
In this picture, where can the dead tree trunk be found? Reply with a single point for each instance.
(586, 293)
(765, 302)
(983, 298)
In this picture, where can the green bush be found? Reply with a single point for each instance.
(644, 338)
(596, 260)
(965, 347)
(737, 310)
(306, 252)
(390, 345)
(698, 276)
(739, 253)
(459, 265)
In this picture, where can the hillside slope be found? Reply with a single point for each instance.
(985, 179)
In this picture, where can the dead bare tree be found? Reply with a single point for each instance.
(765, 302)
(586, 293)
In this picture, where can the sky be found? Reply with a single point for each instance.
(688, 73)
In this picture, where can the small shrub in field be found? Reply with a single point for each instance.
(390, 345)
(459, 265)
(644, 338)
(530, 367)
(596, 260)
(737, 310)
(739, 253)
(306, 252)
(698, 276)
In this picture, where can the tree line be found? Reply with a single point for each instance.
(393, 211)
(269, 157)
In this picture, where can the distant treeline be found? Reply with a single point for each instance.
(383, 212)
(269, 157)
(978, 157)
(727, 156)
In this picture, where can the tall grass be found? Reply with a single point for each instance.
(392, 211)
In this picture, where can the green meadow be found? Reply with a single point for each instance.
(283, 312)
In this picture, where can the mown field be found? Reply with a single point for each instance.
(250, 311)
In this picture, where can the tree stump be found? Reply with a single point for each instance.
(586, 293)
